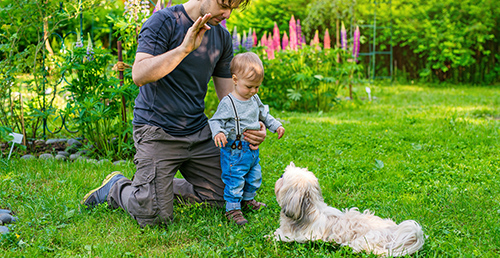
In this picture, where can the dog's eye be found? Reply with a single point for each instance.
(282, 175)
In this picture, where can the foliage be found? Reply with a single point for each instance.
(439, 40)
(438, 147)
(260, 15)
(308, 79)
(98, 102)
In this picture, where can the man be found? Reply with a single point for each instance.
(180, 49)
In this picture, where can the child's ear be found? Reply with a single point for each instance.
(235, 79)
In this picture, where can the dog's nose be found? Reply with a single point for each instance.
(282, 175)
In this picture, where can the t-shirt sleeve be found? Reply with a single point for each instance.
(154, 37)
(222, 68)
(271, 123)
(218, 122)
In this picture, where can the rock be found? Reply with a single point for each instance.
(102, 161)
(119, 162)
(39, 142)
(46, 156)
(61, 157)
(51, 141)
(64, 153)
(74, 142)
(6, 218)
(4, 211)
(4, 230)
(28, 156)
(74, 156)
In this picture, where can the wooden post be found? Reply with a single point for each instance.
(121, 67)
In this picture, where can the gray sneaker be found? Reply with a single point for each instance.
(99, 195)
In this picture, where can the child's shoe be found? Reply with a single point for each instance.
(252, 205)
(236, 216)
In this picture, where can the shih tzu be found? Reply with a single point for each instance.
(305, 217)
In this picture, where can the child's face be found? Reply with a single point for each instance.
(245, 88)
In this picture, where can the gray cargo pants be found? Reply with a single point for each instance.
(149, 197)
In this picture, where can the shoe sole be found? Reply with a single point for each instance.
(104, 182)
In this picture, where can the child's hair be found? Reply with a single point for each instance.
(248, 64)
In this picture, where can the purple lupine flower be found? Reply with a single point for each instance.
(355, 44)
(236, 42)
(249, 40)
(223, 23)
(135, 9)
(90, 50)
(169, 4)
(300, 37)
(343, 37)
(78, 42)
(292, 25)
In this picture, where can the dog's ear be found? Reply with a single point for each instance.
(296, 204)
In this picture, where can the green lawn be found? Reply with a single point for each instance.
(431, 154)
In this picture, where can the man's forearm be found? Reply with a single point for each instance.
(148, 68)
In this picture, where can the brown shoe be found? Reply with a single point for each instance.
(252, 205)
(236, 216)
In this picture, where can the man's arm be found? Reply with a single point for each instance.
(148, 68)
(223, 86)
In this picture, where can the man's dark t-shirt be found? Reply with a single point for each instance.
(176, 102)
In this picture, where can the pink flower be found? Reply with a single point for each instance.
(343, 37)
(284, 45)
(293, 33)
(355, 44)
(254, 37)
(276, 37)
(263, 40)
(327, 40)
(158, 6)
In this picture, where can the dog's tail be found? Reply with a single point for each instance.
(408, 238)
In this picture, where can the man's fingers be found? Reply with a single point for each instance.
(201, 22)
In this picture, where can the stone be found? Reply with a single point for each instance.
(102, 161)
(28, 156)
(61, 157)
(75, 142)
(46, 156)
(64, 153)
(119, 162)
(4, 230)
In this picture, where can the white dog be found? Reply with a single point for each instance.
(305, 217)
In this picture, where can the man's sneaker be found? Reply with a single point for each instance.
(236, 216)
(252, 205)
(99, 195)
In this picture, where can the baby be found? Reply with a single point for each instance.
(242, 110)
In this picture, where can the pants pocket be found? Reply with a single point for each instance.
(144, 202)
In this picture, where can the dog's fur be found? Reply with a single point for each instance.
(305, 217)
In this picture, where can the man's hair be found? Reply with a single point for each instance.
(242, 3)
(249, 65)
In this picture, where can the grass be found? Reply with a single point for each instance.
(425, 153)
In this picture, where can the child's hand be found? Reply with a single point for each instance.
(220, 140)
(280, 131)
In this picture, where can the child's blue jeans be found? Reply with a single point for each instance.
(241, 173)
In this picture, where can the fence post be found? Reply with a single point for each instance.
(121, 68)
